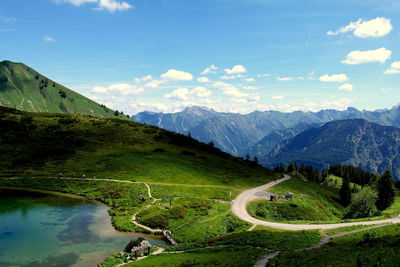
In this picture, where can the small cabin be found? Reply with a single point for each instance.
(274, 197)
(141, 248)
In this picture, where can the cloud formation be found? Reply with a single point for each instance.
(377, 27)
(346, 87)
(177, 75)
(109, 5)
(334, 78)
(394, 68)
(236, 70)
(184, 94)
(210, 70)
(356, 57)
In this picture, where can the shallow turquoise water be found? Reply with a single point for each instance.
(38, 229)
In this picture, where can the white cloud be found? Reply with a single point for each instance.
(231, 77)
(346, 87)
(177, 75)
(263, 75)
(359, 57)
(119, 88)
(386, 89)
(334, 78)
(178, 94)
(235, 93)
(109, 5)
(278, 97)
(48, 39)
(184, 94)
(210, 70)
(394, 68)
(377, 27)
(285, 79)
(76, 2)
(203, 80)
(200, 91)
(250, 80)
(114, 5)
(143, 79)
(236, 70)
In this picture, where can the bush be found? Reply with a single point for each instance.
(362, 204)
(158, 150)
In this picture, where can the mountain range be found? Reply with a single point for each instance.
(355, 142)
(23, 88)
(256, 133)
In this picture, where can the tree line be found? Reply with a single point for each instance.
(377, 192)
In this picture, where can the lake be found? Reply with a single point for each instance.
(40, 229)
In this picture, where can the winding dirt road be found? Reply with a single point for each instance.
(239, 208)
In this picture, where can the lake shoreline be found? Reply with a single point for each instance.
(77, 196)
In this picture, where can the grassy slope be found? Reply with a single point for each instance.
(23, 88)
(377, 247)
(311, 202)
(45, 145)
(238, 249)
(192, 174)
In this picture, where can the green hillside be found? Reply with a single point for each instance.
(196, 178)
(311, 203)
(23, 88)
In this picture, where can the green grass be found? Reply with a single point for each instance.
(23, 88)
(311, 202)
(45, 145)
(271, 239)
(336, 182)
(376, 247)
(218, 256)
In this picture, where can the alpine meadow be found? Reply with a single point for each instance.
(199, 133)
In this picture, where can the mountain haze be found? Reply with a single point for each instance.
(23, 88)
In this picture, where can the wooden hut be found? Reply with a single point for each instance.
(141, 248)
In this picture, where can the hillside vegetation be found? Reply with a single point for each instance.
(193, 182)
(23, 88)
(49, 144)
(311, 202)
(377, 247)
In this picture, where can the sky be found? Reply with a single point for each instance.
(229, 55)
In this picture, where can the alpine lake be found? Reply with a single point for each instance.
(51, 229)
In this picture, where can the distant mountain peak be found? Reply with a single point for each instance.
(198, 110)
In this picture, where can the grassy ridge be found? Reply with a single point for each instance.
(23, 88)
(376, 247)
(311, 202)
(46, 145)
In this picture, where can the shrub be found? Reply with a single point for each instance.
(158, 150)
(362, 204)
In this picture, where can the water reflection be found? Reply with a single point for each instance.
(39, 229)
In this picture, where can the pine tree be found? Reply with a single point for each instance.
(255, 160)
(385, 189)
(345, 192)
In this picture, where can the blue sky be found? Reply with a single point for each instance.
(136, 55)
